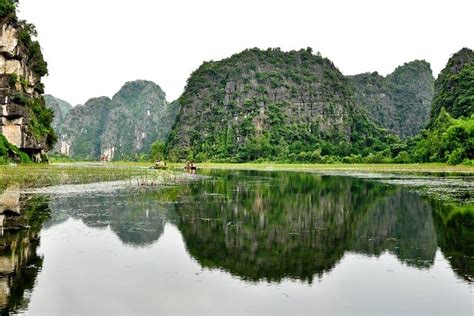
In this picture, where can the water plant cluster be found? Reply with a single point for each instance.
(36, 176)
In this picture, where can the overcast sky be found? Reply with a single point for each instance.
(93, 46)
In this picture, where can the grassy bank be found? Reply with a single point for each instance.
(399, 168)
(40, 175)
(368, 168)
(455, 189)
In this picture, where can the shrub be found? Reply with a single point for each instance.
(456, 157)
(12, 79)
(402, 157)
(7, 7)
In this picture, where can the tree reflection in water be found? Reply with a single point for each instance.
(270, 226)
(258, 226)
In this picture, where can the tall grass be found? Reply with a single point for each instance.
(34, 176)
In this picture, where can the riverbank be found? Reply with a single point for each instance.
(366, 168)
(445, 182)
(369, 168)
(41, 175)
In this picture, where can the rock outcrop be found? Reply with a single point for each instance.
(24, 119)
(81, 130)
(262, 103)
(119, 128)
(401, 101)
(137, 118)
(60, 108)
(454, 87)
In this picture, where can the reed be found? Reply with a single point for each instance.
(34, 176)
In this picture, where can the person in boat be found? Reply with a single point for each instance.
(190, 166)
(160, 164)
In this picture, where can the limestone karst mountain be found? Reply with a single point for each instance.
(81, 130)
(454, 87)
(118, 128)
(401, 101)
(60, 109)
(268, 103)
(450, 133)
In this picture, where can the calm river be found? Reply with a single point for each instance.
(240, 242)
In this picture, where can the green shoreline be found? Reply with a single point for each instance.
(366, 168)
(451, 184)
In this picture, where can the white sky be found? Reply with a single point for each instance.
(94, 46)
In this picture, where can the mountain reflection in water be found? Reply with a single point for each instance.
(257, 226)
(294, 225)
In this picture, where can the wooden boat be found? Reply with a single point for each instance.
(190, 166)
(160, 165)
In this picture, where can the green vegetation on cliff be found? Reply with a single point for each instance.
(25, 120)
(269, 104)
(454, 88)
(60, 109)
(35, 56)
(139, 115)
(449, 140)
(121, 128)
(401, 101)
(10, 153)
(450, 134)
(81, 130)
(7, 8)
(26, 34)
(297, 107)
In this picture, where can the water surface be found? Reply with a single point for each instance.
(241, 243)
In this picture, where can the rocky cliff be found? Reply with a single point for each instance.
(80, 132)
(269, 103)
(60, 108)
(136, 119)
(119, 128)
(450, 133)
(454, 87)
(25, 122)
(401, 101)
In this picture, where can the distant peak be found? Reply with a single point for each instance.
(98, 100)
(136, 86)
(463, 51)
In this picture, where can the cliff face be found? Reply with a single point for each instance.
(24, 119)
(450, 133)
(260, 103)
(454, 87)
(401, 101)
(81, 130)
(135, 120)
(118, 128)
(60, 108)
